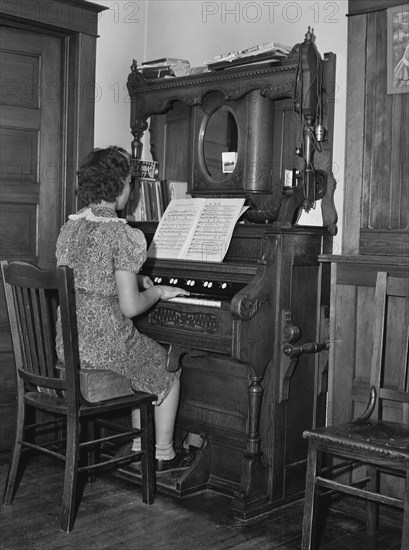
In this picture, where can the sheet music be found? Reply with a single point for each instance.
(196, 229)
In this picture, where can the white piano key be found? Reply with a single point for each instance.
(195, 301)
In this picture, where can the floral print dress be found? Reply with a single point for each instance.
(96, 243)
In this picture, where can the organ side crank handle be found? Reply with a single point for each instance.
(292, 351)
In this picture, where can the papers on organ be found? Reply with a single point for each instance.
(196, 229)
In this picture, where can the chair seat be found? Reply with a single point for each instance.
(372, 435)
(58, 405)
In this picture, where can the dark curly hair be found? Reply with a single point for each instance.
(102, 176)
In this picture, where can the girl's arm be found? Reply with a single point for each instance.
(133, 302)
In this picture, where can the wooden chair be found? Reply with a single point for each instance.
(379, 445)
(32, 297)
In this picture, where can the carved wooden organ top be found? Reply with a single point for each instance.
(282, 112)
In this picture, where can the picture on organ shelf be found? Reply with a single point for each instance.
(229, 160)
(144, 168)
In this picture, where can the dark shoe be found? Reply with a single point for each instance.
(182, 460)
(126, 452)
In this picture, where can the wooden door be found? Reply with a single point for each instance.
(30, 170)
(30, 141)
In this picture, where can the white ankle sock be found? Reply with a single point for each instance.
(136, 444)
(165, 452)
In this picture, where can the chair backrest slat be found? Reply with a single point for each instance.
(24, 313)
(391, 306)
(378, 336)
(65, 277)
(48, 334)
(38, 328)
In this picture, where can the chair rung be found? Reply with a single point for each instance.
(350, 490)
(44, 424)
(340, 466)
(115, 437)
(47, 444)
(43, 449)
(91, 467)
(112, 425)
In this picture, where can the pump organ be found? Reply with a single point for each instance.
(250, 384)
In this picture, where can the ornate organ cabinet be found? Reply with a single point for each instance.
(251, 378)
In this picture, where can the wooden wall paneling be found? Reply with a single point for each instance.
(394, 346)
(376, 171)
(354, 134)
(402, 184)
(364, 324)
(389, 242)
(344, 353)
(384, 198)
(332, 331)
(397, 154)
(376, 147)
(343, 321)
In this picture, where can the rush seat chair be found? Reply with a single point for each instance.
(79, 428)
(377, 444)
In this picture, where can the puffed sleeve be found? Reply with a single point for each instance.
(129, 253)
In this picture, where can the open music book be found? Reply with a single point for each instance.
(196, 229)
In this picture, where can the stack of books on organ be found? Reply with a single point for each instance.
(164, 68)
(152, 197)
(272, 52)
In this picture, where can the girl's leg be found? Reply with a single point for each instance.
(165, 416)
(136, 423)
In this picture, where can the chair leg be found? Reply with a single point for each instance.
(71, 474)
(311, 499)
(15, 457)
(91, 453)
(148, 454)
(372, 507)
(405, 524)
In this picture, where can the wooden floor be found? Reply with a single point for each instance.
(112, 516)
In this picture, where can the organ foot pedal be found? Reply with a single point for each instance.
(182, 482)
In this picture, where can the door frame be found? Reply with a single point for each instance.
(76, 22)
